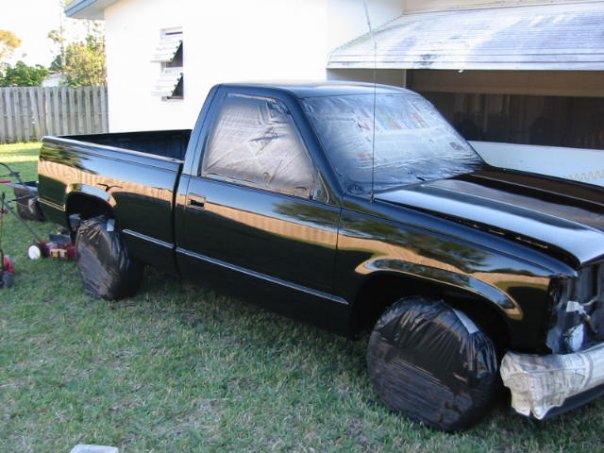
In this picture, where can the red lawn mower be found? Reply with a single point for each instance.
(7, 267)
(58, 246)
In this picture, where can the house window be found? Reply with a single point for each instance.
(169, 53)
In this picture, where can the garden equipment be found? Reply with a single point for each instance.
(39, 248)
(60, 246)
(7, 268)
(26, 194)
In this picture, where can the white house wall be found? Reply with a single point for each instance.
(584, 165)
(229, 40)
(133, 29)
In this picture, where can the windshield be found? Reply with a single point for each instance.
(413, 142)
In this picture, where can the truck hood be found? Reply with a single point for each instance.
(563, 217)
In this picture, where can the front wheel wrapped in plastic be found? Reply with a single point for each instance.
(431, 363)
(105, 268)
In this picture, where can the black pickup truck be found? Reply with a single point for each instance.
(357, 208)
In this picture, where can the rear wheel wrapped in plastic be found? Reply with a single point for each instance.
(433, 364)
(105, 268)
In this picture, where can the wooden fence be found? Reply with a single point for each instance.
(28, 114)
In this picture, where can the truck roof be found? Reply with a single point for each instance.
(303, 89)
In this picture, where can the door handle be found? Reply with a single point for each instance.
(197, 202)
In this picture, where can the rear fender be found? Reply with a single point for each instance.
(90, 191)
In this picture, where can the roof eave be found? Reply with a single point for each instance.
(559, 37)
(88, 9)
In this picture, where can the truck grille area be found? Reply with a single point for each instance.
(578, 316)
(594, 300)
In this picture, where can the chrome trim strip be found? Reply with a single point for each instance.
(52, 205)
(260, 276)
(148, 239)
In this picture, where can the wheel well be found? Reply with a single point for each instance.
(87, 207)
(382, 290)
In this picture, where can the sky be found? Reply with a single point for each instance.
(31, 20)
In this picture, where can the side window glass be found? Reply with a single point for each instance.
(255, 143)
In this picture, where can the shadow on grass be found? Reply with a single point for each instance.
(203, 309)
(265, 336)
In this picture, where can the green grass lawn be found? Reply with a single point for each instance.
(179, 368)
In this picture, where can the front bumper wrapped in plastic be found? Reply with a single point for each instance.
(541, 385)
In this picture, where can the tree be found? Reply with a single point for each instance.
(8, 43)
(22, 75)
(85, 62)
(58, 37)
(81, 63)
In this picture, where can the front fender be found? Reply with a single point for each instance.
(465, 282)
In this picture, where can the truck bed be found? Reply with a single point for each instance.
(171, 143)
(133, 173)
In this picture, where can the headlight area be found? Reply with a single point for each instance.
(577, 319)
